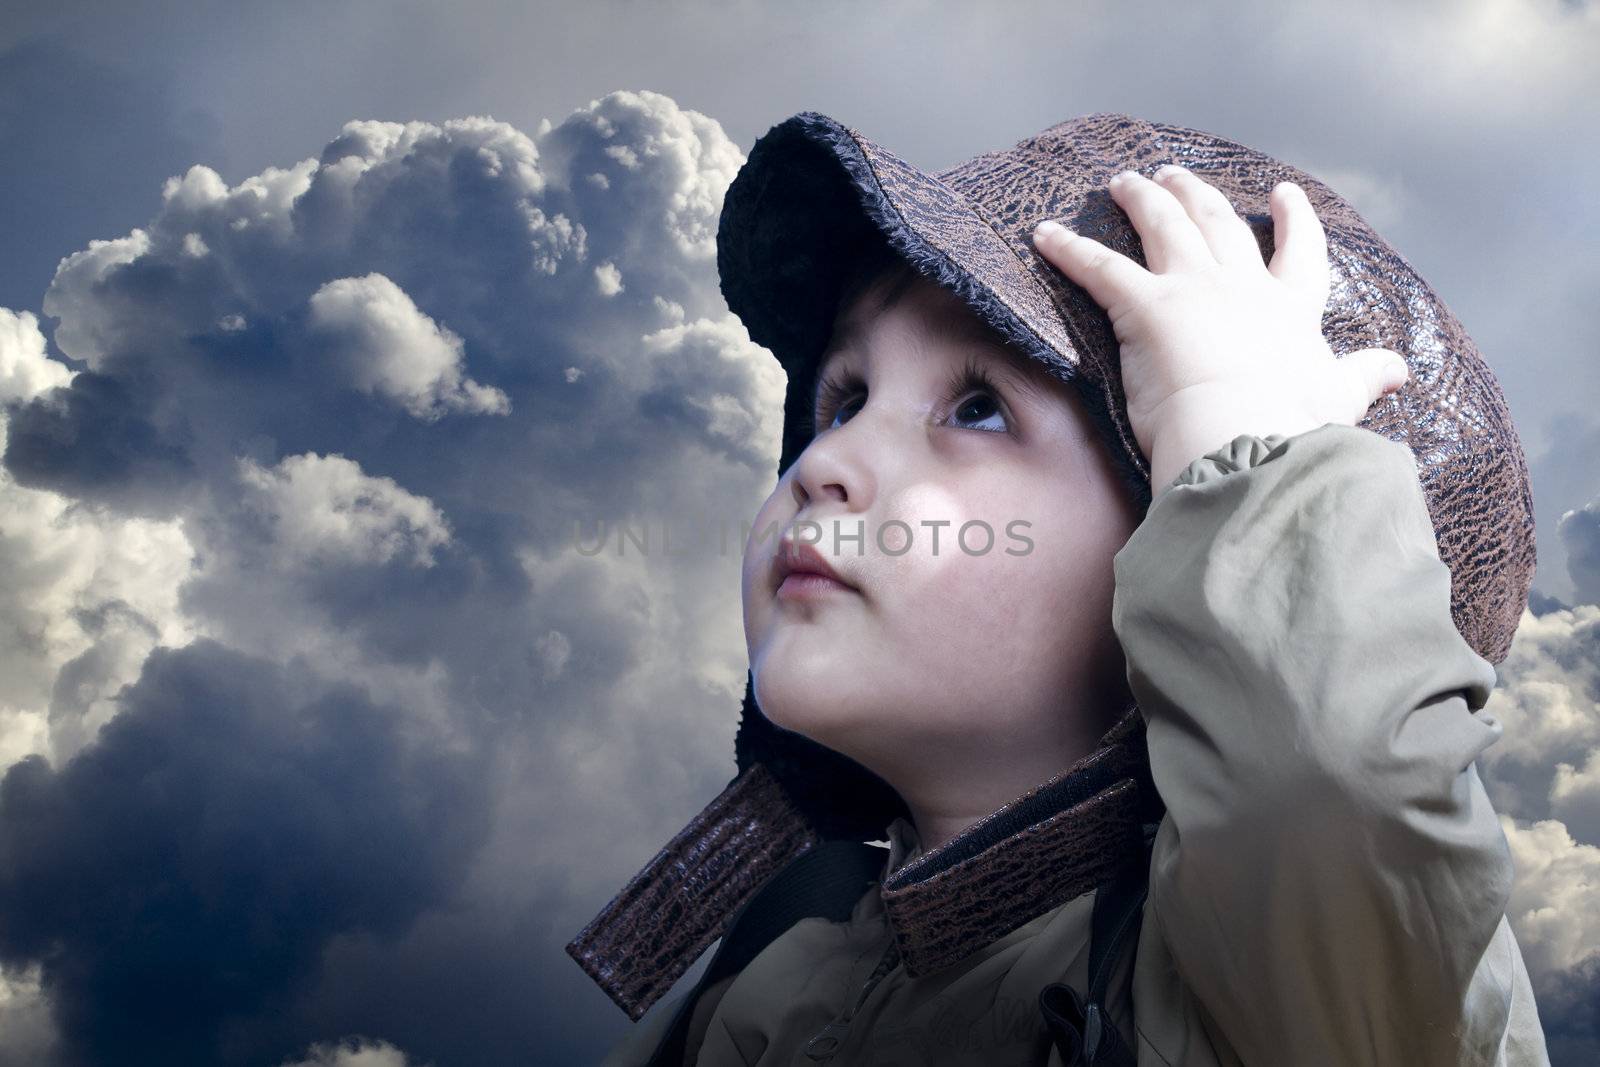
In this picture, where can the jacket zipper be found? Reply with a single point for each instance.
(1115, 947)
(826, 1041)
(1096, 1020)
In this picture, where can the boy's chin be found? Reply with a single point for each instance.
(812, 711)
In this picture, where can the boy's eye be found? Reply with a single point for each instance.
(982, 407)
(971, 395)
(836, 397)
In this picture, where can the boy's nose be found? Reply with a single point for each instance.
(847, 462)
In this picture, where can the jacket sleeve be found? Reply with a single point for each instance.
(1329, 874)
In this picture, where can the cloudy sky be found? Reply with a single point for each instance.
(320, 325)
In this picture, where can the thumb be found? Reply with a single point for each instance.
(1376, 372)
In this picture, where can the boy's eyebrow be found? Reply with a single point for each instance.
(1014, 369)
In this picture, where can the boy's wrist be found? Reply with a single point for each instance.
(1187, 438)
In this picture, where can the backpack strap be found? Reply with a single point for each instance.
(826, 881)
(1082, 1031)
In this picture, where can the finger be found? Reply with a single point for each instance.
(1371, 374)
(1171, 240)
(1228, 236)
(1111, 278)
(1300, 259)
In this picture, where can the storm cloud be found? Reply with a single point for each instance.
(310, 699)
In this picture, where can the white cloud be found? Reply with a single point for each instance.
(555, 650)
(25, 370)
(670, 310)
(85, 329)
(680, 154)
(736, 392)
(386, 346)
(353, 1052)
(27, 1031)
(1552, 901)
(324, 509)
(608, 278)
(87, 593)
(1546, 691)
(1543, 777)
(1575, 797)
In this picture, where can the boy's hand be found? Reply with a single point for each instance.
(1215, 343)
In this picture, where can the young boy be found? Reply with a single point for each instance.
(1326, 878)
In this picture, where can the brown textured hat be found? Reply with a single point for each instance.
(814, 190)
(811, 197)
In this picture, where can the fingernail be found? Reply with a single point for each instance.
(1394, 377)
(1051, 230)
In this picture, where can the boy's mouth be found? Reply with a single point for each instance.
(799, 569)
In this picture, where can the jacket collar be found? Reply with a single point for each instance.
(1059, 840)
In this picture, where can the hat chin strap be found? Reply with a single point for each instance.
(687, 896)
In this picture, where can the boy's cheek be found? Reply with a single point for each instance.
(944, 605)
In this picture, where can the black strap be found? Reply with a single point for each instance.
(1082, 1031)
(827, 881)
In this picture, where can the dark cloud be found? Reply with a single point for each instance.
(1540, 604)
(1569, 1007)
(95, 440)
(1579, 531)
(1565, 476)
(182, 874)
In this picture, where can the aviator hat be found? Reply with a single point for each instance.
(814, 194)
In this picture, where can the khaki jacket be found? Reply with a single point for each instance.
(1329, 883)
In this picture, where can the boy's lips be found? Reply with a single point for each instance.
(810, 566)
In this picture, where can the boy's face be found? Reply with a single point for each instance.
(987, 670)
